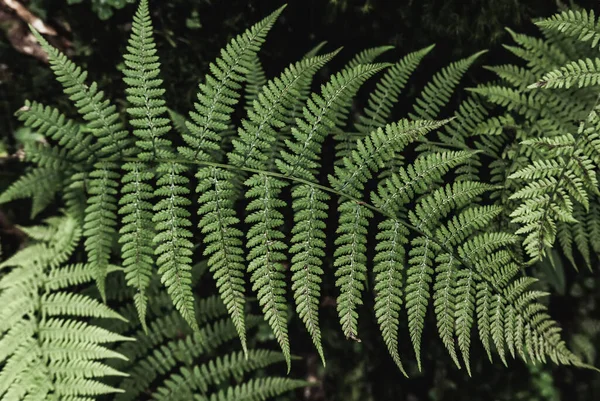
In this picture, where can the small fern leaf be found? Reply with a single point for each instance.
(100, 219)
(465, 301)
(387, 91)
(367, 56)
(41, 180)
(438, 91)
(223, 240)
(389, 264)
(173, 247)
(47, 348)
(266, 253)
(581, 24)
(445, 301)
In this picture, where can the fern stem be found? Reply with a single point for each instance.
(323, 188)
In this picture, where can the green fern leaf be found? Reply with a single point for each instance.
(47, 349)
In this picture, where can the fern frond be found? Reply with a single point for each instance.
(148, 118)
(103, 120)
(50, 122)
(223, 240)
(389, 263)
(581, 73)
(381, 101)
(554, 185)
(101, 116)
(48, 350)
(137, 232)
(581, 24)
(321, 112)
(257, 132)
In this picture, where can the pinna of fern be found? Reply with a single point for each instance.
(437, 226)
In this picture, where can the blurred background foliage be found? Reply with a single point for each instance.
(190, 33)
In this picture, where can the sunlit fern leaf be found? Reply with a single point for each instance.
(47, 348)
(581, 24)
(554, 186)
(579, 73)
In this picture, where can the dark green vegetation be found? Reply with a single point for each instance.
(343, 209)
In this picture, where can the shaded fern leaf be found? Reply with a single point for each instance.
(438, 91)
